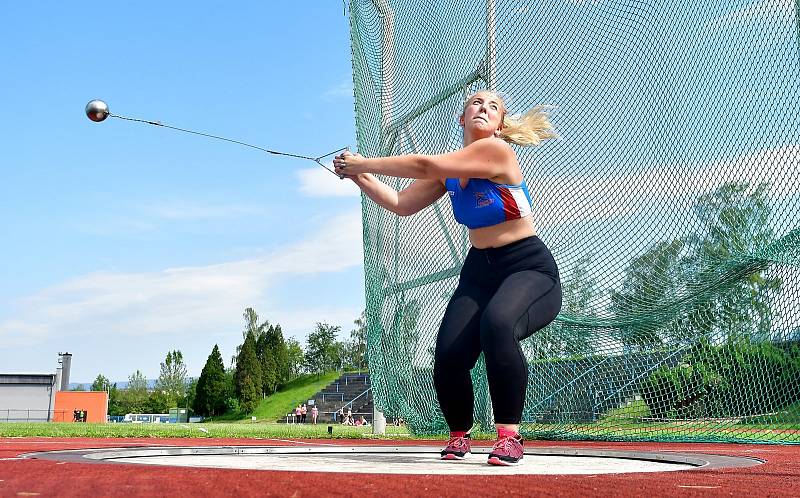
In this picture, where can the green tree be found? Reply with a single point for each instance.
(248, 375)
(124, 404)
(322, 352)
(230, 383)
(343, 352)
(271, 351)
(171, 384)
(405, 337)
(134, 398)
(212, 388)
(579, 294)
(736, 218)
(295, 358)
(357, 348)
(705, 285)
(191, 392)
(281, 354)
(404, 327)
(158, 402)
(137, 381)
(101, 383)
(114, 405)
(651, 282)
(269, 367)
(251, 326)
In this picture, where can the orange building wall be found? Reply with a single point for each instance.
(94, 402)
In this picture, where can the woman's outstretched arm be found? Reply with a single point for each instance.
(485, 158)
(417, 196)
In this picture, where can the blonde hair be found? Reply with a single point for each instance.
(530, 128)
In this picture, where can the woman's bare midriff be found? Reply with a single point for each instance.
(503, 233)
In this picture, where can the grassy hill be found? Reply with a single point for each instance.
(297, 391)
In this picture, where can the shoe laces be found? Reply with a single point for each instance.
(506, 443)
(457, 442)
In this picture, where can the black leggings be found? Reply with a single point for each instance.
(504, 295)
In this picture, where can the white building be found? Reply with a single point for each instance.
(27, 397)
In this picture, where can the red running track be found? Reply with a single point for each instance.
(31, 477)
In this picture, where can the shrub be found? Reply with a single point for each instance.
(738, 378)
(232, 405)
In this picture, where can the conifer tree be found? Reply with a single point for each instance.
(212, 386)
(249, 381)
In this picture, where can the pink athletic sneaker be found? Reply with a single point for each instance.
(507, 451)
(458, 448)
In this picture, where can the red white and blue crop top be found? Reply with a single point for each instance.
(484, 203)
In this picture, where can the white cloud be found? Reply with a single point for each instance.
(756, 10)
(317, 182)
(341, 90)
(564, 198)
(150, 218)
(306, 319)
(180, 301)
(180, 210)
(127, 225)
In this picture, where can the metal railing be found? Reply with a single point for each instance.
(349, 404)
(337, 396)
(365, 393)
(36, 415)
(356, 378)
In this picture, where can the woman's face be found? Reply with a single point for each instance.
(483, 114)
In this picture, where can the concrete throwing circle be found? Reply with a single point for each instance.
(400, 460)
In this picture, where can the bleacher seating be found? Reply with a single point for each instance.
(341, 393)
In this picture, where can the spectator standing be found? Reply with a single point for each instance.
(349, 418)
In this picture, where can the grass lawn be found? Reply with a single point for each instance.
(679, 431)
(634, 410)
(788, 415)
(775, 433)
(623, 423)
(205, 430)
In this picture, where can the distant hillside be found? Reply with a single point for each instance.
(151, 384)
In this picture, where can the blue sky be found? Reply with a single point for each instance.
(122, 241)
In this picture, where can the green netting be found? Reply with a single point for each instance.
(670, 202)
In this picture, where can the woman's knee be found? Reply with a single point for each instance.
(439, 373)
(544, 311)
(448, 358)
(449, 371)
(497, 330)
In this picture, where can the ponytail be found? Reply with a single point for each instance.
(530, 128)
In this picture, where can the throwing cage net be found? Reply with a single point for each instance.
(669, 200)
